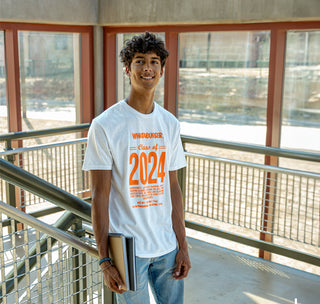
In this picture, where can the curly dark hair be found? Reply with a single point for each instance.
(143, 43)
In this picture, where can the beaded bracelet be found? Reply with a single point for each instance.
(104, 260)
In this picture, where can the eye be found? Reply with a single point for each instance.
(139, 61)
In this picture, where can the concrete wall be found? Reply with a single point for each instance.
(119, 12)
(50, 11)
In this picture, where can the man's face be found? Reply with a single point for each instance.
(145, 71)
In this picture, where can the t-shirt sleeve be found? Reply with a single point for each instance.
(98, 155)
(177, 160)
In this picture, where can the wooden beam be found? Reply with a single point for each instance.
(87, 77)
(13, 79)
(275, 88)
(171, 74)
(109, 69)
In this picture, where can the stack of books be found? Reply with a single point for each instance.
(123, 255)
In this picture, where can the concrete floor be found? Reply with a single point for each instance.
(223, 276)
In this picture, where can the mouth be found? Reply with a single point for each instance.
(147, 77)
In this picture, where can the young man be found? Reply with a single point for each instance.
(134, 150)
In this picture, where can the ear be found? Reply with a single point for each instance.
(161, 73)
(127, 71)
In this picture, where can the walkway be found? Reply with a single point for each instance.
(223, 276)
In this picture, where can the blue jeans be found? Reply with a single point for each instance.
(158, 272)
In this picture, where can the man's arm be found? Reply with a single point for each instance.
(182, 258)
(101, 183)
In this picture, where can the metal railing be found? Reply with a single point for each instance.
(242, 200)
(38, 268)
(58, 163)
(33, 266)
(247, 200)
(234, 193)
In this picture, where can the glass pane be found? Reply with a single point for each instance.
(3, 97)
(123, 79)
(301, 97)
(50, 79)
(223, 85)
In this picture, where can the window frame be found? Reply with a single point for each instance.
(12, 67)
(278, 31)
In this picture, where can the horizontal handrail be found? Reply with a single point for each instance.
(274, 248)
(271, 151)
(43, 132)
(255, 165)
(36, 214)
(42, 188)
(279, 152)
(54, 232)
(43, 146)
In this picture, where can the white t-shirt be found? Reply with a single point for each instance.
(140, 149)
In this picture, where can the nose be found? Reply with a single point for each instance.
(147, 66)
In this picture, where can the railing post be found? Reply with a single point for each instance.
(108, 296)
(268, 209)
(10, 189)
(79, 268)
(182, 178)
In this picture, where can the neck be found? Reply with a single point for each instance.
(143, 103)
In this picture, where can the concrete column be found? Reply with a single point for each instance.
(98, 69)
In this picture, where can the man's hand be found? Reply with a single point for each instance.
(112, 279)
(183, 265)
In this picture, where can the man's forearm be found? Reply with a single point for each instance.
(179, 227)
(183, 264)
(100, 224)
(101, 182)
(178, 214)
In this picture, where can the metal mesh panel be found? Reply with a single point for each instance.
(297, 211)
(224, 191)
(53, 273)
(59, 164)
(250, 196)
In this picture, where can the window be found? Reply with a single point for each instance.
(123, 80)
(49, 79)
(223, 85)
(301, 95)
